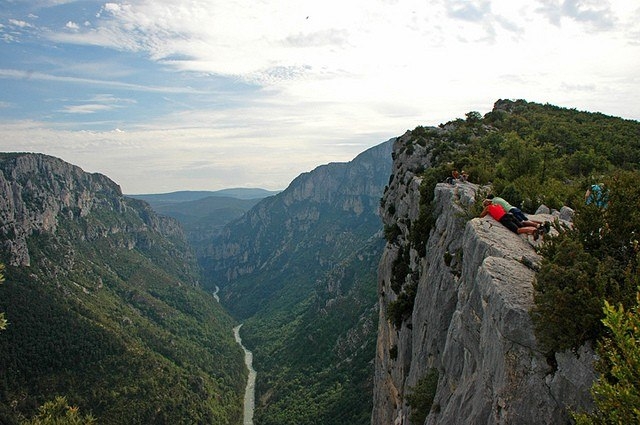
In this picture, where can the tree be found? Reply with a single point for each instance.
(595, 261)
(420, 397)
(58, 412)
(617, 392)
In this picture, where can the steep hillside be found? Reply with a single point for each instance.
(469, 330)
(104, 306)
(299, 269)
(456, 342)
(158, 199)
(288, 240)
(204, 219)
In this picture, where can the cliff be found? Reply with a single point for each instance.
(39, 192)
(297, 235)
(469, 325)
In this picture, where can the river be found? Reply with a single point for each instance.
(250, 390)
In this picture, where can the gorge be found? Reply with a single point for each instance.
(369, 291)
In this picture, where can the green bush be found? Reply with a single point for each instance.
(58, 412)
(391, 232)
(595, 261)
(400, 310)
(420, 398)
(617, 392)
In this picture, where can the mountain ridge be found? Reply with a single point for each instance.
(194, 195)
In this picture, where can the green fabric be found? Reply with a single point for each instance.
(504, 204)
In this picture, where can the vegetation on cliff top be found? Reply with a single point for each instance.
(535, 154)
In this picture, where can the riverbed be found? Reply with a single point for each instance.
(250, 390)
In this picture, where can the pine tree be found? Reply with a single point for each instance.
(617, 391)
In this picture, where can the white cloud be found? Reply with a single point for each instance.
(97, 103)
(160, 158)
(329, 78)
(20, 23)
(33, 75)
(246, 39)
(89, 108)
(72, 26)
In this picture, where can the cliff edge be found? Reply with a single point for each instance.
(469, 326)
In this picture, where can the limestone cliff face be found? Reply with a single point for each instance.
(38, 193)
(470, 321)
(322, 215)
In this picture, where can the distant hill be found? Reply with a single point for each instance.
(104, 305)
(203, 214)
(159, 199)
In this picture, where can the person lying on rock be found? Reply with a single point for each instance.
(508, 220)
(518, 214)
(508, 207)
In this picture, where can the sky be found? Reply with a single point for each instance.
(167, 95)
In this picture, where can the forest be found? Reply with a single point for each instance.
(119, 334)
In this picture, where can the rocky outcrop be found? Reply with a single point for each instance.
(470, 321)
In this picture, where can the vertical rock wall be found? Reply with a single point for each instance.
(470, 322)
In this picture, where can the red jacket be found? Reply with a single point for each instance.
(496, 211)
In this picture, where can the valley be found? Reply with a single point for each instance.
(365, 292)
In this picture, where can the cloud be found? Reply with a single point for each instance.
(97, 103)
(328, 37)
(211, 156)
(593, 12)
(33, 75)
(72, 26)
(468, 10)
(259, 92)
(597, 14)
(87, 108)
(20, 24)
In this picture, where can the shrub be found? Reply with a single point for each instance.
(391, 232)
(420, 398)
(400, 269)
(58, 412)
(596, 261)
(401, 309)
(617, 392)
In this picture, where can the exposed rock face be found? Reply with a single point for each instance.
(39, 192)
(470, 321)
(322, 216)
